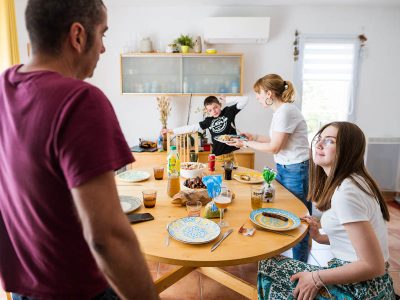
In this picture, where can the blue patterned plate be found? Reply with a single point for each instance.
(129, 203)
(133, 176)
(193, 230)
(272, 223)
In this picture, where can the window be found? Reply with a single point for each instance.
(326, 79)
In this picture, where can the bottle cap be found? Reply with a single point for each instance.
(173, 147)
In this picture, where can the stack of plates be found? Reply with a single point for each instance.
(266, 222)
(133, 176)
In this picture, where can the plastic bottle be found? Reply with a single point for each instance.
(174, 168)
(174, 164)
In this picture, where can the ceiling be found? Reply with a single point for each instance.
(257, 2)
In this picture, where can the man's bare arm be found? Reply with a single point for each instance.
(111, 239)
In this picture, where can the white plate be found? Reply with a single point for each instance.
(254, 177)
(133, 176)
(193, 230)
(129, 203)
(236, 136)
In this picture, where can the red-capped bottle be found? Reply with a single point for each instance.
(211, 162)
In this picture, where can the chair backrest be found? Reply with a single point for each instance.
(183, 144)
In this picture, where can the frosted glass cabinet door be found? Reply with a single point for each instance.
(151, 74)
(212, 74)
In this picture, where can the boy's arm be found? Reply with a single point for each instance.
(187, 129)
(240, 101)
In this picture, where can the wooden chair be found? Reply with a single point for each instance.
(183, 144)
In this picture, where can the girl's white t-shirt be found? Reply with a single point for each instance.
(288, 119)
(350, 204)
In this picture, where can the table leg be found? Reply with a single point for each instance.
(171, 277)
(227, 279)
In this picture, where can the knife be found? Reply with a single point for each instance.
(220, 241)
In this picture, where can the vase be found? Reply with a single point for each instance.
(269, 192)
(197, 45)
(164, 140)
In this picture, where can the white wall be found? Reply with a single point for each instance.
(378, 107)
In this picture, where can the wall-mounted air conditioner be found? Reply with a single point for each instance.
(236, 30)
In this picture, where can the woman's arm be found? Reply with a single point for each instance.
(275, 144)
(370, 264)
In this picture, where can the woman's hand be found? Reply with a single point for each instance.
(305, 288)
(313, 227)
(235, 143)
(248, 135)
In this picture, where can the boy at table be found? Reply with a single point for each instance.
(218, 123)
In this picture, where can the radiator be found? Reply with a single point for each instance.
(383, 162)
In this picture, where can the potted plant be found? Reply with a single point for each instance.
(185, 42)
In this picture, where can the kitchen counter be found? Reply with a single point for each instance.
(245, 158)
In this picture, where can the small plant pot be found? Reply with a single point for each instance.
(185, 49)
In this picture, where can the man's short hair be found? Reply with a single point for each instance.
(48, 22)
(210, 100)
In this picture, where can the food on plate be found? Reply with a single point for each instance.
(195, 195)
(147, 144)
(194, 183)
(192, 166)
(245, 177)
(276, 216)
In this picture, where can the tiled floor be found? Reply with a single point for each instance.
(199, 287)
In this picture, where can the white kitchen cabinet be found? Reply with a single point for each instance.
(182, 74)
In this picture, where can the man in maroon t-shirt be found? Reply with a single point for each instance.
(63, 234)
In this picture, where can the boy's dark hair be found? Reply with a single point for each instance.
(48, 22)
(210, 100)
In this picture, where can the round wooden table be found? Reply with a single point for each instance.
(236, 249)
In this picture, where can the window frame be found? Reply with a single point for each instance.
(316, 38)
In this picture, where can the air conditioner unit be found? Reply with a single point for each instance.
(236, 30)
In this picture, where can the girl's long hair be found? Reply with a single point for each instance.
(349, 160)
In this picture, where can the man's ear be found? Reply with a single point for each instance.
(77, 37)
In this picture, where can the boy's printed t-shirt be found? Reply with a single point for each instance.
(219, 126)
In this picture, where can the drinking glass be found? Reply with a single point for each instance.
(222, 201)
(257, 196)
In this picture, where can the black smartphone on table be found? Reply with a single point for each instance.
(137, 218)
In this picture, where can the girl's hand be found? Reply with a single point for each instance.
(305, 288)
(313, 226)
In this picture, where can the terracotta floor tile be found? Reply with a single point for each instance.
(153, 266)
(188, 288)
(249, 273)
(235, 270)
(212, 290)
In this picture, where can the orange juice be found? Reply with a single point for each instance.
(174, 185)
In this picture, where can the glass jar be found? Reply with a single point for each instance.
(269, 192)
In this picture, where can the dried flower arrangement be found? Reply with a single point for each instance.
(164, 107)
